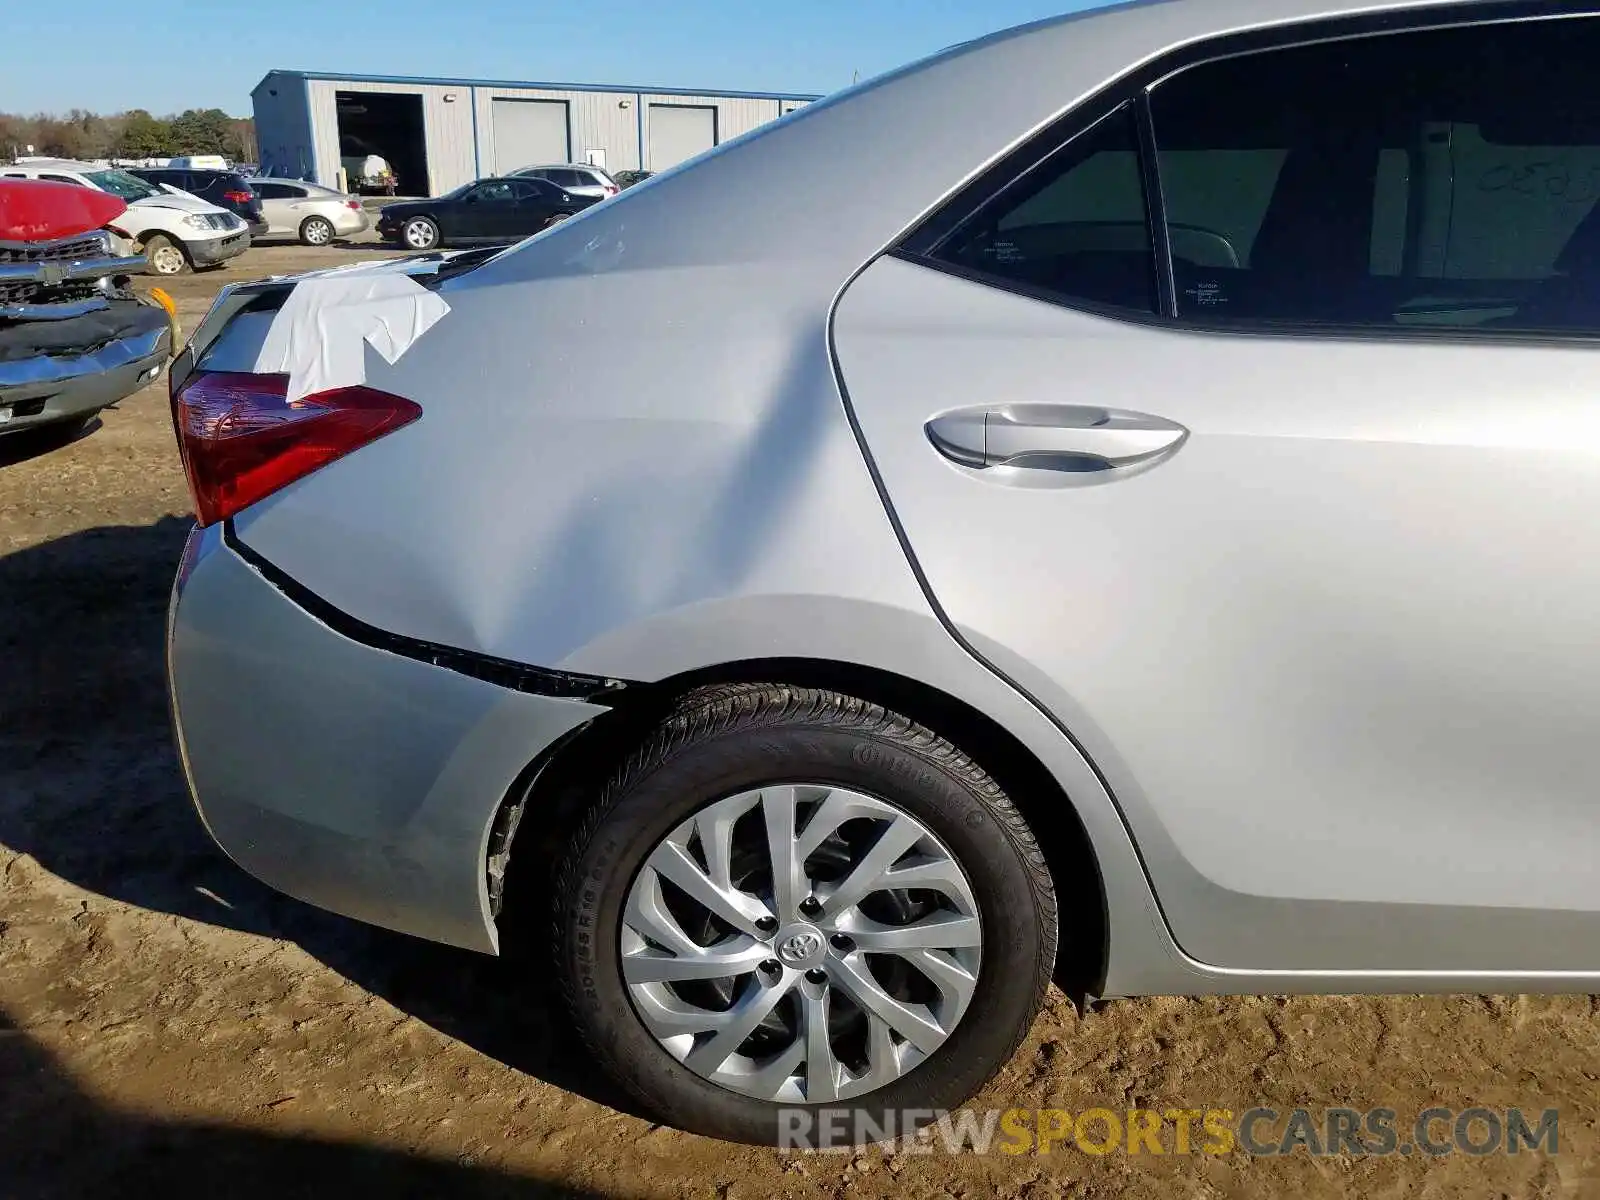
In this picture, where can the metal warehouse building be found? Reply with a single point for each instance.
(440, 133)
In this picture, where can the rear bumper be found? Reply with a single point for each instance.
(350, 223)
(347, 776)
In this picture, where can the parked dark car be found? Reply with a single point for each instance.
(225, 189)
(490, 210)
(626, 179)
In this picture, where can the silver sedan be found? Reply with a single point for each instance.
(315, 215)
(1136, 535)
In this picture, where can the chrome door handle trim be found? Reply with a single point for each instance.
(1059, 437)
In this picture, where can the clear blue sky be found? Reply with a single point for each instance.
(194, 56)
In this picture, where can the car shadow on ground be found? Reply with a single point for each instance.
(91, 789)
(21, 445)
(73, 1146)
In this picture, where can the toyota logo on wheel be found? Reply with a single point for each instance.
(799, 947)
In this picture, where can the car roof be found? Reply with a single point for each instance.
(55, 164)
(189, 170)
(564, 167)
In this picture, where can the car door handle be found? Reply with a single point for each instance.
(1053, 437)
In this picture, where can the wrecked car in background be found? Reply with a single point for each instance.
(74, 337)
(176, 231)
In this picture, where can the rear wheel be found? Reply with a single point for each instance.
(791, 900)
(165, 256)
(419, 233)
(316, 231)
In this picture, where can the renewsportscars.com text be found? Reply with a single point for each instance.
(1260, 1132)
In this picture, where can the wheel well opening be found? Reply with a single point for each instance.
(568, 777)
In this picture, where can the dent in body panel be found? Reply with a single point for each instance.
(566, 502)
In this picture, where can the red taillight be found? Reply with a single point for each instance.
(611, 191)
(353, 205)
(241, 440)
(239, 197)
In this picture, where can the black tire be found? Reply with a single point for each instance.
(728, 739)
(166, 257)
(413, 231)
(316, 231)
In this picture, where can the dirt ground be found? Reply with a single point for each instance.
(166, 1022)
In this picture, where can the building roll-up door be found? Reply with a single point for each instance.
(680, 131)
(529, 132)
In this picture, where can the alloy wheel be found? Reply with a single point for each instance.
(801, 943)
(419, 235)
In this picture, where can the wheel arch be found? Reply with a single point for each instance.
(564, 780)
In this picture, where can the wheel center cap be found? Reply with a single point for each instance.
(799, 945)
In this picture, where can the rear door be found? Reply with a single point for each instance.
(278, 205)
(1301, 541)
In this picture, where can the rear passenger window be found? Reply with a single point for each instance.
(1075, 227)
(1443, 178)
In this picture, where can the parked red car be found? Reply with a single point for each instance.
(74, 337)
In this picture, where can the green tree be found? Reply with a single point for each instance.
(143, 136)
(202, 131)
(132, 134)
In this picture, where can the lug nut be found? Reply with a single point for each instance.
(843, 943)
(811, 906)
(771, 967)
(767, 924)
(816, 975)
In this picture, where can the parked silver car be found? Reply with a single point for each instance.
(314, 214)
(1137, 531)
(580, 179)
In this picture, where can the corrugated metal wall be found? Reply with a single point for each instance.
(599, 122)
(447, 125)
(460, 131)
(283, 127)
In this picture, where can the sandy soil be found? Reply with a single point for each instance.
(165, 1021)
